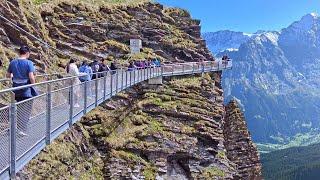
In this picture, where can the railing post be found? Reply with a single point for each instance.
(134, 76)
(48, 115)
(96, 91)
(183, 68)
(85, 95)
(162, 69)
(192, 68)
(148, 72)
(117, 81)
(104, 86)
(126, 85)
(111, 83)
(13, 133)
(71, 98)
(122, 79)
(172, 69)
(130, 72)
(138, 75)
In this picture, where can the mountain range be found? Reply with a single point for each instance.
(275, 78)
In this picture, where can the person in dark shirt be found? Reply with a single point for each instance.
(21, 70)
(113, 68)
(95, 66)
(103, 68)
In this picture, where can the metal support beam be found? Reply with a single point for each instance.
(96, 92)
(104, 86)
(111, 84)
(85, 95)
(48, 114)
(13, 133)
(71, 101)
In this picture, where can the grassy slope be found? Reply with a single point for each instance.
(293, 163)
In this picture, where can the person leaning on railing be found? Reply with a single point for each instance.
(21, 70)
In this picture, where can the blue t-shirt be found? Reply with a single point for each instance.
(88, 71)
(20, 68)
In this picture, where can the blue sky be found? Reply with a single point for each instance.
(246, 15)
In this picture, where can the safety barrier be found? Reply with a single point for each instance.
(62, 102)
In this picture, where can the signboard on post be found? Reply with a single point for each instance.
(135, 45)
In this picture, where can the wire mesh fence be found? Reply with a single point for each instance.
(60, 105)
(4, 138)
(31, 124)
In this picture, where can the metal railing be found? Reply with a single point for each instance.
(61, 103)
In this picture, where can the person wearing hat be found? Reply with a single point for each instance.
(21, 70)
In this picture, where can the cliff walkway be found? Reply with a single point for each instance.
(61, 103)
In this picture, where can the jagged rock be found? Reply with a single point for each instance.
(240, 148)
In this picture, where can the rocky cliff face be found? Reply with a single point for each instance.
(149, 132)
(179, 130)
(238, 142)
(87, 31)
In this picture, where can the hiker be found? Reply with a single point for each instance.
(139, 64)
(225, 57)
(85, 68)
(72, 70)
(202, 64)
(21, 70)
(225, 60)
(156, 62)
(113, 68)
(131, 66)
(95, 66)
(103, 68)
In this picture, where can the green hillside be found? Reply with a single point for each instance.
(298, 163)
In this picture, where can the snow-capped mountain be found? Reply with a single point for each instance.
(222, 40)
(275, 76)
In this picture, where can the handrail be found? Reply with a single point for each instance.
(97, 73)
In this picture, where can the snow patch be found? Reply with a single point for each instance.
(232, 49)
(314, 15)
(272, 37)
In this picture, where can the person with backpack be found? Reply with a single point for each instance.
(86, 69)
(22, 70)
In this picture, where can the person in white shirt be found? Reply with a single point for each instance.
(72, 70)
